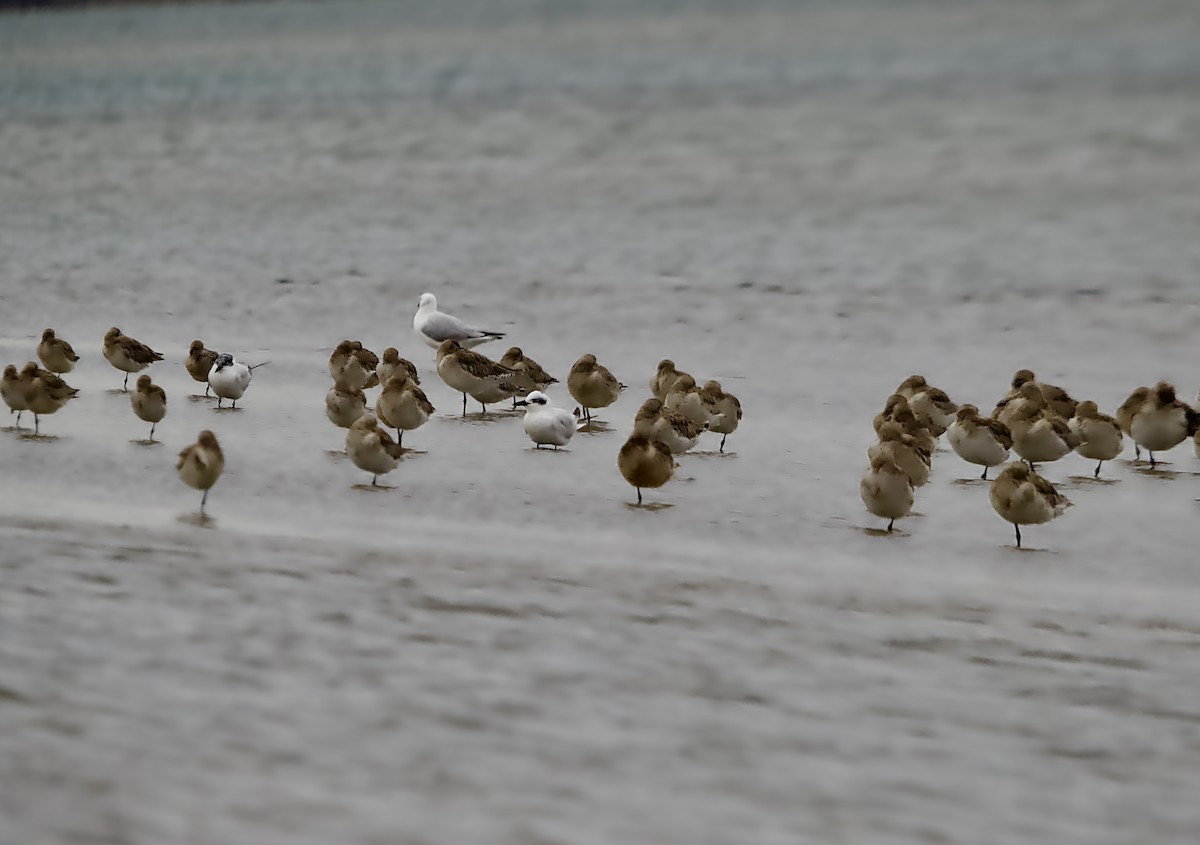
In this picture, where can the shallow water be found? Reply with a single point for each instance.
(806, 202)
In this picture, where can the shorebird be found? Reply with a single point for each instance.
(545, 424)
(686, 398)
(592, 385)
(886, 490)
(1023, 400)
(434, 326)
(932, 404)
(677, 432)
(979, 440)
(402, 405)
(664, 377)
(471, 373)
(127, 354)
(1163, 422)
(45, 392)
(915, 426)
(1057, 399)
(149, 403)
(728, 407)
(392, 364)
(230, 378)
(530, 375)
(369, 361)
(893, 405)
(1100, 434)
(372, 449)
(1023, 497)
(348, 367)
(911, 386)
(898, 446)
(645, 463)
(56, 354)
(12, 389)
(201, 464)
(1128, 410)
(199, 362)
(343, 405)
(1040, 435)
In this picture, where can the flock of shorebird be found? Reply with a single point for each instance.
(667, 424)
(1038, 421)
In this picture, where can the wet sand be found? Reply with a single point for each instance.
(807, 203)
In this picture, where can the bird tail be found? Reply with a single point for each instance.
(263, 364)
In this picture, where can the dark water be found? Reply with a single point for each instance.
(807, 201)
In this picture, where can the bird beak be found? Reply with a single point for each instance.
(521, 402)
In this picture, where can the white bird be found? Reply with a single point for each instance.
(546, 424)
(229, 378)
(434, 326)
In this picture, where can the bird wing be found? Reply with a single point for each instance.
(422, 400)
(999, 431)
(140, 352)
(440, 327)
(480, 366)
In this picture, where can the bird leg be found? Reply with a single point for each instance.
(207, 387)
(36, 423)
(203, 499)
(984, 476)
(1096, 474)
(890, 523)
(125, 386)
(1151, 459)
(152, 425)
(723, 436)
(464, 404)
(218, 401)
(400, 437)
(1018, 534)
(639, 495)
(373, 478)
